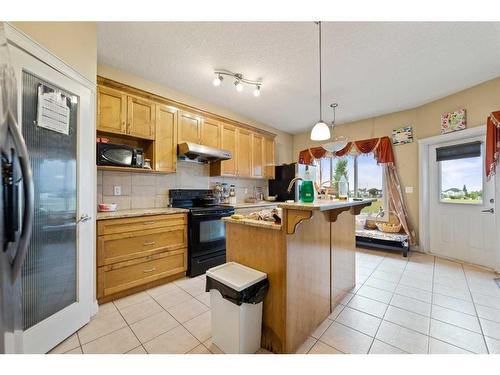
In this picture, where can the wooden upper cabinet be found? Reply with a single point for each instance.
(189, 128)
(111, 110)
(257, 155)
(166, 138)
(244, 154)
(228, 143)
(141, 118)
(210, 133)
(269, 158)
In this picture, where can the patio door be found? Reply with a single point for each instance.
(461, 202)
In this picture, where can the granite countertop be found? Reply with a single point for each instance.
(250, 205)
(139, 212)
(324, 204)
(253, 223)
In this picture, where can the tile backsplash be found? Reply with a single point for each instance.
(143, 190)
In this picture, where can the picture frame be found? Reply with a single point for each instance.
(453, 121)
(402, 135)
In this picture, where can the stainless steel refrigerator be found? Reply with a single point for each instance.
(16, 206)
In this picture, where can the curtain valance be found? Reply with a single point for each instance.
(380, 147)
(492, 143)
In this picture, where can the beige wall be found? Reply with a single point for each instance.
(73, 42)
(284, 141)
(479, 101)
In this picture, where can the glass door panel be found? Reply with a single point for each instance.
(49, 275)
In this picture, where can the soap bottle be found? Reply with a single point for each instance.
(343, 188)
(307, 189)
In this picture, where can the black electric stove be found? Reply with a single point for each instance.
(207, 232)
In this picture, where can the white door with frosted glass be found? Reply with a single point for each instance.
(57, 285)
(461, 203)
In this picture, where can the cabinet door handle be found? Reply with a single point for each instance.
(149, 243)
(150, 270)
(149, 222)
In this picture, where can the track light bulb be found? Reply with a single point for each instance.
(217, 80)
(238, 85)
(256, 92)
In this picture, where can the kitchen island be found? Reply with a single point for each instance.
(310, 262)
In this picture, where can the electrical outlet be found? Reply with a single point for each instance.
(246, 191)
(409, 190)
(117, 190)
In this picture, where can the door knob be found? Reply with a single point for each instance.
(84, 218)
(491, 211)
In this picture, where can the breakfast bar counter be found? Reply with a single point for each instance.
(309, 260)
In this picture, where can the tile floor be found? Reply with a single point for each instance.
(419, 304)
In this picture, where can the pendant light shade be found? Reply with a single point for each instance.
(336, 145)
(320, 132)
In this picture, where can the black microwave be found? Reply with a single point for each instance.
(119, 155)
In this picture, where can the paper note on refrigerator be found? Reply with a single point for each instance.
(53, 110)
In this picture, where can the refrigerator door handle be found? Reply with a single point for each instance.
(28, 189)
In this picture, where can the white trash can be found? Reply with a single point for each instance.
(236, 295)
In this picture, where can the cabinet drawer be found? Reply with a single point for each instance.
(114, 248)
(122, 276)
(141, 223)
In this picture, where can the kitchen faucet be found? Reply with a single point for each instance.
(290, 186)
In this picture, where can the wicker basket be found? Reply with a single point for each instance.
(370, 224)
(392, 225)
(388, 227)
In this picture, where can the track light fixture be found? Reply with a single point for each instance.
(218, 80)
(256, 92)
(239, 83)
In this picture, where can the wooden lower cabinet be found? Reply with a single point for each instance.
(135, 252)
(117, 278)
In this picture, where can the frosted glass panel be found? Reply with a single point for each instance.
(49, 276)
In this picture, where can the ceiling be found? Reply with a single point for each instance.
(369, 68)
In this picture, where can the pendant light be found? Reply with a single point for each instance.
(320, 131)
(337, 143)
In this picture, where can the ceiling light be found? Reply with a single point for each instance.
(337, 143)
(320, 131)
(239, 85)
(217, 80)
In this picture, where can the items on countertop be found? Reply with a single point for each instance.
(273, 216)
(107, 207)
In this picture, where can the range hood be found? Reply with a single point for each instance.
(201, 153)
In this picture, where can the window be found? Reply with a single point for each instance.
(371, 184)
(462, 181)
(460, 173)
(333, 168)
(366, 179)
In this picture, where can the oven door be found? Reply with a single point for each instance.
(207, 233)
